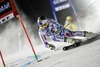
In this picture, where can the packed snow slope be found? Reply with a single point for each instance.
(84, 56)
(87, 55)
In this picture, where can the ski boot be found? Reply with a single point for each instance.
(77, 42)
(52, 47)
(89, 34)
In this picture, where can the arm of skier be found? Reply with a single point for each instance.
(44, 39)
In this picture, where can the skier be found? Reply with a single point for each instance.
(69, 24)
(51, 28)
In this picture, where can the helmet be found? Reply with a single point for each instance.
(42, 21)
(68, 18)
(41, 18)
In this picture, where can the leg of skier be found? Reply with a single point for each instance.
(68, 34)
(86, 34)
(77, 42)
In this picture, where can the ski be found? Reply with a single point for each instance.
(83, 42)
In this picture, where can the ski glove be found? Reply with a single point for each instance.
(47, 45)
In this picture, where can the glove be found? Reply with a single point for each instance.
(52, 47)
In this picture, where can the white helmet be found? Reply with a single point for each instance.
(42, 21)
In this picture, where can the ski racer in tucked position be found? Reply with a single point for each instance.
(52, 29)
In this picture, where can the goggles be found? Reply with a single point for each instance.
(42, 25)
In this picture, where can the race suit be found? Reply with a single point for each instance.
(56, 32)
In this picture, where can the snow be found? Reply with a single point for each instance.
(84, 56)
(20, 54)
